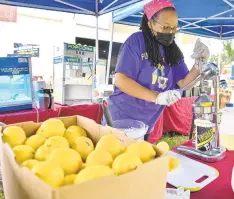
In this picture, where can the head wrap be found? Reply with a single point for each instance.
(151, 8)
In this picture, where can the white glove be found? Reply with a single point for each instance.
(168, 97)
(201, 54)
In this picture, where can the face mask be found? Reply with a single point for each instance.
(165, 39)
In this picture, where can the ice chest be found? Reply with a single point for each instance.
(148, 181)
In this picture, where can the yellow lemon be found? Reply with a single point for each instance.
(125, 162)
(39, 131)
(50, 173)
(68, 159)
(57, 142)
(73, 132)
(29, 164)
(99, 157)
(111, 144)
(93, 172)
(143, 150)
(23, 153)
(52, 127)
(84, 146)
(14, 136)
(49, 146)
(162, 148)
(69, 179)
(35, 141)
(173, 163)
(43, 152)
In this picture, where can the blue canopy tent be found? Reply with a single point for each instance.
(92, 7)
(207, 18)
(89, 7)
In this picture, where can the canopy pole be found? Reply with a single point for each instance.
(219, 61)
(97, 45)
(97, 27)
(110, 53)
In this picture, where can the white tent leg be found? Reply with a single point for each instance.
(220, 51)
(109, 54)
(97, 46)
(219, 62)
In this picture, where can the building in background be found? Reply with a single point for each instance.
(48, 28)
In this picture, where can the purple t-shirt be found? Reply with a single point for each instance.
(134, 63)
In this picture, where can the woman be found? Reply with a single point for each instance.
(151, 67)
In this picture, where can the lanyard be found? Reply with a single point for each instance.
(160, 70)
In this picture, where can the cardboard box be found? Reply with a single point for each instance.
(146, 182)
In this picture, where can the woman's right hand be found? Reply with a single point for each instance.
(167, 98)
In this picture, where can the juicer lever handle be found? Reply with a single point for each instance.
(107, 113)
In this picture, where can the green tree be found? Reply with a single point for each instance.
(227, 56)
(228, 51)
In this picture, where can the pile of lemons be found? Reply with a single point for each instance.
(61, 156)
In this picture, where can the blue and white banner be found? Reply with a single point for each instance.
(73, 59)
(14, 66)
(78, 47)
(58, 60)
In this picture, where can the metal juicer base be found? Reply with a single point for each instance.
(214, 155)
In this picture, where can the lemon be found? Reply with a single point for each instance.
(162, 148)
(52, 127)
(50, 173)
(29, 164)
(23, 153)
(35, 141)
(93, 172)
(111, 144)
(143, 150)
(99, 157)
(83, 166)
(84, 146)
(42, 153)
(125, 162)
(49, 146)
(57, 142)
(68, 159)
(69, 179)
(14, 136)
(173, 163)
(73, 132)
(39, 131)
(124, 149)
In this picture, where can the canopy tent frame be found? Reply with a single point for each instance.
(189, 25)
(76, 9)
(118, 16)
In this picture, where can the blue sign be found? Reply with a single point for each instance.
(73, 59)
(58, 60)
(78, 47)
(14, 66)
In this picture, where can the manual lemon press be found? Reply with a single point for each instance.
(206, 118)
